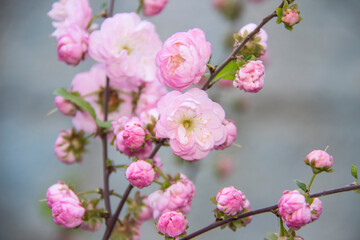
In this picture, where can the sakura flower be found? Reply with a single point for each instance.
(250, 77)
(183, 58)
(192, 122)
(172, 224)
(69, 146)
(59, 191)
(290, 16)
(230, 201)
(319, 161)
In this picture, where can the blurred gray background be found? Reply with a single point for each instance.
(310, 100)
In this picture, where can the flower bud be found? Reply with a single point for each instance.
(69, 146)
(154, 7)
(172, 224)
(231, 134)
(140, 174)
(57, 192)
(257, 45)
(294, 209)
(319, 161)
(290, 16)
(316, 209)
(230, 201)
(134, 135)
(250, 77)
(65, 106)
(68, 212)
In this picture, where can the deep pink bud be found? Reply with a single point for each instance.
(231, 134)
(57, 192)
(250, 77)
(69, 146)
(140, 174)
(65, 106)
(68, 212)
(172, 224)
(230, 201)
(290, 16)
(319, 161)
(154, 7)
(316, 209)
(134, 135)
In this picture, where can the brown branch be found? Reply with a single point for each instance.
(264, 210)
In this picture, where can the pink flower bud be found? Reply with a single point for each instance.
(316, 209)
(290, 16)
(154, 7)
(65, 106)
(231, 132)
(250, 77)
(259, 41)
(294, 210)
(319, 161)
(72, 45)
(140, 174)
(230, 201)
(57, 192)
(183, 58)
(134, 135)
(68, 212)
(172, 224)
(69, 146)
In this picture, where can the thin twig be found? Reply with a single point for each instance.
(264, 210)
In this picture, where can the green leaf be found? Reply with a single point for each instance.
(103, 124)
(279, 12)
(272, 236)
(228, 72)
(103, 4)
(81, 103)
(301, 185)
(278, 20)
(213, 200)
(290, 28)
(354, 172)
(286, 4)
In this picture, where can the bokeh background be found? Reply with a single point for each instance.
(310, 100)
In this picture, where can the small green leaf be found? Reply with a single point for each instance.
(279, 12)
(81, 103)
(228, 72)
(103, 4)
(108, 163)
(301, 185)
(278, 20)
(213, 200)
(354, 172)
(286, 4)
(290, 28)
(103, 124)
(272, 236)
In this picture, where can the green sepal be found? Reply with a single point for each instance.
(238, 38)
(74, 98)
(286, 4)
(228, 72)
(103, 124)
(354, 172)
(213, 200)
(301, 185)
(147, 136)
(290, 28)
(279, 12)
(272, 236)
(232, 226)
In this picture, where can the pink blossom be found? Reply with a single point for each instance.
(150, 95)
(231, 131)
(192, 122)
(294, 210)
(172, 224)
(230, 201)
(59, 191)
(250, 77)
(319, 160)
(177, 197)
(153, 7)
(70, 12)
(290, 16)
(260, 38)
(72, 45)
(225, 83)
(68, 212)
(316, 209)
(69, 146)
(128, 47)
(134, 135)
(183, 58)
(65, 106)
(146, 212)
(140, 174)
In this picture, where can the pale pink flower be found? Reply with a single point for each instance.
(316, 209)
(68, 212)
(154, 7)
(72, 45)
(290, 16)
(83, 121)
(319, 160)
(70, 12)
(150, 116)
(59, 191)
(177, 197)
(250, 77)
(146, 212)
(231, 131)
(172, 224)
(69, 146)
(65, 106)
(183, 58)
(230, 201)
(140, 174)
(294, 210)
(192, 122)
(128, 47)
(260, 38)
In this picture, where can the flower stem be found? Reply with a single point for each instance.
(311, 181)
(282, 229)
(88, 192)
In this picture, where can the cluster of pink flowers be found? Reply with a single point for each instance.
(154, 7)
(319, 161)
(250, 77)
(296, 212)
(177, 197)
(71, 20)
(172, 224)
(65, 206)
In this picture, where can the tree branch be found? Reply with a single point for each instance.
(264, 210)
